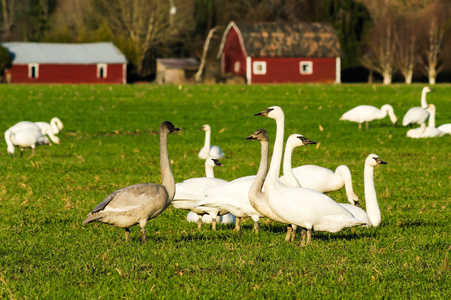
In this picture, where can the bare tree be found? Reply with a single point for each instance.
(434, 20)
(8, 9)
(405, 38)
(144, 23)
(380, 54)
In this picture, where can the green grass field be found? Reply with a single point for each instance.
(110, 141)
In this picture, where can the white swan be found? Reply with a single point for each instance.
(322, 179)
(51, 128)
(139, 203)
(303, 207)
(368, 113)
(372, 215)
(418, 115)
(25, 138)
(430, 130)
(45, 128)
(208, 150)
(188, 192)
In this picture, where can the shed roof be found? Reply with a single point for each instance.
(56, 53)
(179, 63)
(271, 39)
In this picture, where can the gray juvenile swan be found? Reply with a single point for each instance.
(136, 204)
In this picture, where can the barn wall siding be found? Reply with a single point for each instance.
(72, 74)
(287, 70)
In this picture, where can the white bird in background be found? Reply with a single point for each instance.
(52, 128)
(46, 128)
(25, 138)
(368, 113)
(141, 202)
(208, 150)
(418, 115)
(305, 208)
(372, 215)
(429, 131)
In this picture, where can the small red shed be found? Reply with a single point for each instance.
(268, 52)
(66, 63)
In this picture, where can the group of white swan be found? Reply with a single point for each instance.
(27, 134)
(414, 116)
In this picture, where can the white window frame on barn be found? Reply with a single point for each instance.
(33, 74)
(306, 67)
(101, 67)
(259, 67)
(237, 66)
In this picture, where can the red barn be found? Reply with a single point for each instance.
(66, 63)
(281, 53)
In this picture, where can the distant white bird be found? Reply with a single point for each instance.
(418, 115)
(208, 150)
(429, 131)
(138, 203)
(368, 113)
(47, 129)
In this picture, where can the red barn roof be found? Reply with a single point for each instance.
(270, 39)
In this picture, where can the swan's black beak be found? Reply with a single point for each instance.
(264, 113)
(251, 137)
(356, 203)
(217, 162)
(305, 140)
(396, 124)
(379, 161)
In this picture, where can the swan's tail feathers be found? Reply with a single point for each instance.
(91, 218)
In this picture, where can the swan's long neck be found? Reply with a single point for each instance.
(255, 191)
(209, 170)
(424, 104)
(207, 139)
(431, 118)
(167, 179)
(287, 168)
(274, 168)
(372, 207)
(8, 139)
(344, 172)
